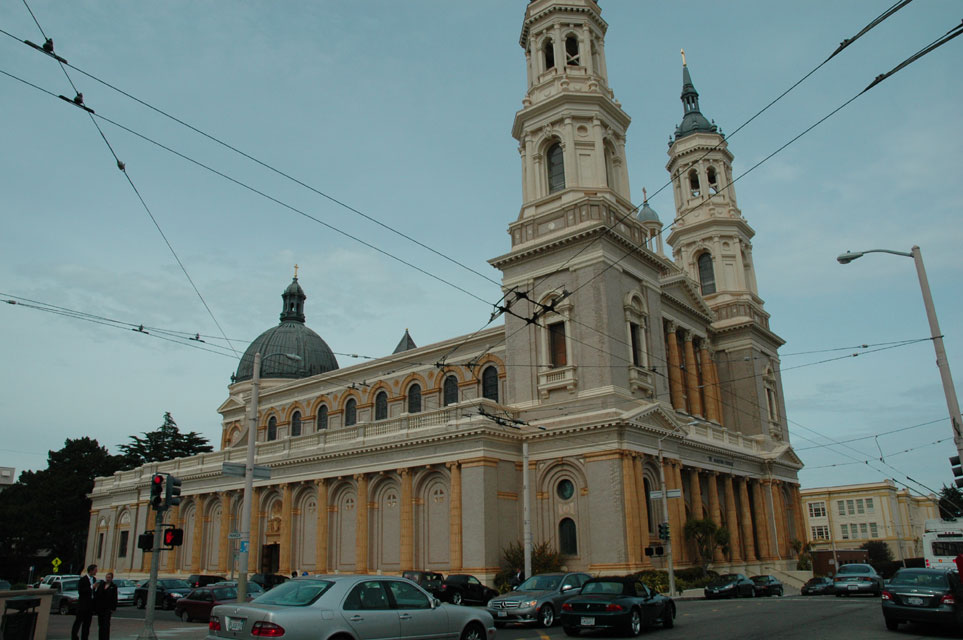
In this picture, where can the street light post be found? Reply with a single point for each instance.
(941, 362)
(245, 542)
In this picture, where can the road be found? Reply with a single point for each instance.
(787, 618)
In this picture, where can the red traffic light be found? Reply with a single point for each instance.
(156, 491)
(173, 537)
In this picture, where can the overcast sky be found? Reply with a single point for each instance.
(403, 111)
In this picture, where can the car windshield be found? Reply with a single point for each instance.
(295, 593)
(69, 585)
(760, 579)
(854, 568)
(921, 579)
(610, 587)
(173, 584)
(540, 583)
(728, 577)
(224, 593)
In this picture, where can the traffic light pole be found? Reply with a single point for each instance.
(148, 632)
(665, 518)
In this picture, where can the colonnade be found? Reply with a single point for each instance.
(693, 382)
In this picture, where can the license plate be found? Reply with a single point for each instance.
(587, 622)
(502, 614)
(916, 601)
(235, 624)
(853, 587)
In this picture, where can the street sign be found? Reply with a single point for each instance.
(243, 548)
(655, 495)
(56, 562)
(234, 535)
(236, 469)
(673, 493)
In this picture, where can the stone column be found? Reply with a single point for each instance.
(710, 385)
(745, 520)
(407, 522)
(454, 523)
(692, 378)
(284, 559)
(762, 521)
(631, 501)
(675, 369)
(321, 539)
(224, 545)
(782, 526)
(643, 512)
(732, 520)
(198, 533)
(718, 391)
(695, 485)
(715, 512)
(361, 529)
(797, 510)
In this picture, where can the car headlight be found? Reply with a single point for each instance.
(529, 603)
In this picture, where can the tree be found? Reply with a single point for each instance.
(545, 559)
(707, 536)
(951, 502)
(166, 443)
(878, 550)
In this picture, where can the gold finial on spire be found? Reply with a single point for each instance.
(645, 198)
(682, 51)
(295, 272)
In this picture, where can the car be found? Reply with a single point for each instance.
(616, 604)
(268, 580)
(430, 581)
(64, 599)
(461, 588)
(5, 585)
(169, 591)
(48, 580)
(857, 578)
(923, 595)
(817, 586)
(349, 606)
(730, 585)
(253, 588)
(767, 586)
(197, 604)
(539, 599)
(196, 580)
(125, 590)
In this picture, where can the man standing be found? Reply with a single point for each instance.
(105, 603)
(85, 604)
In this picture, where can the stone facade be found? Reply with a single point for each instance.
(613, 361)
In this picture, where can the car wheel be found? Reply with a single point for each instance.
(64, 609)
(473, 631)
(635, 624)
(891, 624)
(186, 617)
(456, 598)
(668, 617)
(571, 631)
(139, 602)
(546, 615)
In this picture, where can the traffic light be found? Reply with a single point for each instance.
(173, 496)
(156, 489)
(173, 537)
(957, 470)
(145, 541)
(664, 531)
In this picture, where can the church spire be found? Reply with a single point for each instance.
(692, 119)
(293, 297)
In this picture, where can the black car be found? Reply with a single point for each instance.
(767, 586)
(619, 604)
(923, 595)
(196, 580)
(730, 585)
(817, 586)
(430, 581)
(169, 591)
(268, 580)
(460, 588)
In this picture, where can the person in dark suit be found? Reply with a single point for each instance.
(105, 603)
(518, 577)
(85, 604)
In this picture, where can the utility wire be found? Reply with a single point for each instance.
(878, 435)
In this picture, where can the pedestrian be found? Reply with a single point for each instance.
(85, 604)
(105, 603)
(959, 563)
(518, 577)
(294, 574)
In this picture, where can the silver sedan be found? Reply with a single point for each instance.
(349, 606)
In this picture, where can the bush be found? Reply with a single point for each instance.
(544, 560)
(691, 578)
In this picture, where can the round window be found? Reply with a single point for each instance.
(565, 489)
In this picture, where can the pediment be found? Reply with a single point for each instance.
(784, 454)
(682, 288)
(231, 404)
(653, 415)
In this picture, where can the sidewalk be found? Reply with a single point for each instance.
(129, 629)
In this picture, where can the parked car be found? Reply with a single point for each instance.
(730, 585)
(461, 588)
(817, 586)
(48, 580)
(64, 599)
(268, 580)
(126, 589)
(5, 585)
(923, 595)
(169, 591)
(253, 588)
(767, 586)
(197, 604)
(539, 599)
(196, 580)
(616, 604)
(430, 581)
(355, 606)
(857, 578)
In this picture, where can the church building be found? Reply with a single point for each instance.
(616, 363)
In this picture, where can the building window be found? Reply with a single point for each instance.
(556, 168)
(381, 406)
(490, 383)
(820, 532)
(272, 430)
(296, 424)
(350, 412)
(567, 539)
(122, 547)
(549, 50)
(707, 277)
(863, 530)
(817, 509)
(842, 507)
(635, 335)
(556, 345)
(414, 398)
(646, 489)
(322, 417)
(850, 507)
(873, 530)
(859, 506)
(571, 51)
(450, 391)
(565, 489)
(845, 530)
(869, 505)
(713, 180)
(694, 182)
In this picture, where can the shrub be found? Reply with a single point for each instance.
(545, 559)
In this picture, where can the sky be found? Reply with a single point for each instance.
(403, 111)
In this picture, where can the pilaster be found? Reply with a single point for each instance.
(745, 520)
(732, 520)
(692, 378)
(454, 524)
(284, 557)
(224, 545)
(676, 394)
(361, 530)
(407, 521)
(321, 540)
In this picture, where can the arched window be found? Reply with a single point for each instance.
(707, 277)
(556, 168)
(549, 50)
(381, 406)
(490, 383)
(557, 349)
(322, 417)
(414, 398)
(571, 51)
(350, 412)
(272, 431)
(450, 391)
(694, 182)
(713, 180)
(296, 424)
(646, 488)
(567, 538)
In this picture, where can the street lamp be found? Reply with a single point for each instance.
(249, 473)
(944, 366)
